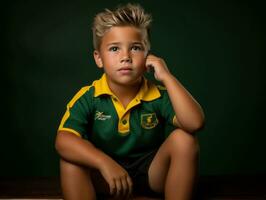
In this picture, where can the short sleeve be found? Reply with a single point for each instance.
(78, 111)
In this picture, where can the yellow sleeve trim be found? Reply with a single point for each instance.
(71, 131)
(78, 95)
(71, 103)
(175, 122)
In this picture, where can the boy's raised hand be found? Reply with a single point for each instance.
(161, 71)
(118, 179)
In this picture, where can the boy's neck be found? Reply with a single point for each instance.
(125, 93)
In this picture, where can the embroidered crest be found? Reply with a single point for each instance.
(149, 121)
(100, 116)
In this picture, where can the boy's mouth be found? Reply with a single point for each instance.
(125, 70)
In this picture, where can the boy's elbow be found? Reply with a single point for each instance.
(200, 124)
(196, 126)
(59, 143)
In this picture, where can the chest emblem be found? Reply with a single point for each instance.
(101, 116)
(149, 121)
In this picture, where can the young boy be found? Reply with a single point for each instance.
(111, 139)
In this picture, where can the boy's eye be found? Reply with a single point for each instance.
(136, 48)
(113, 48)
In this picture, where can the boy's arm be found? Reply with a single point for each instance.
(189, 114)
(77, 150)
(74, 149)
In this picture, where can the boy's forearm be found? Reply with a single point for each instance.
(189, 113)
(74, 149)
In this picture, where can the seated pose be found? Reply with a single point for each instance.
(123, 135)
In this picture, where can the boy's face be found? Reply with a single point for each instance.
(122, 54)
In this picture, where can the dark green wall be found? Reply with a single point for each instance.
(215, 48)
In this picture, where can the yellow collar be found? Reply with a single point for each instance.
(147, 92)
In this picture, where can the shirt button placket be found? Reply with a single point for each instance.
(124, 121)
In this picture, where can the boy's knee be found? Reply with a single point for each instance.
(183, 142)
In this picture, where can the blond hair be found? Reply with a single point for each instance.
(128, 15)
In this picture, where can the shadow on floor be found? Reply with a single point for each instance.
(208, 188)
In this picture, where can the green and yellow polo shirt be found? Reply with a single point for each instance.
(97, 115)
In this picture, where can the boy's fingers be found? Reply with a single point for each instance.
(118, 185)
(124, 186)
(112, 187)
(150, 68)
(130, 185)
(147, 68)
(151, 56)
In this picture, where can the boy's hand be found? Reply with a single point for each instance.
(118, 179)
(161, 71)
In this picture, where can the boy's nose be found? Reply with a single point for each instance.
(126, 57)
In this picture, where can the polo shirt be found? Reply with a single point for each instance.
(96, 114)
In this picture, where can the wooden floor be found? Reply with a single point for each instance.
(208, 188)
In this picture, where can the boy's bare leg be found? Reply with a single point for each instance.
(173, 169)
(76, 182)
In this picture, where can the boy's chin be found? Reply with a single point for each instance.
(129, 81)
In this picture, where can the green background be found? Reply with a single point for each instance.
(215, 48)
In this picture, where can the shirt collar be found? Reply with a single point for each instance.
(148, 91)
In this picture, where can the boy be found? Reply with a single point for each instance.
(111, 138)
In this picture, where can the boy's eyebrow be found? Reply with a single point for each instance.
(119, 43)
(137, 43)
(113, 43)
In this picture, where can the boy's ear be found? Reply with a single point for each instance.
(98, 59)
